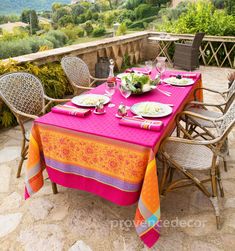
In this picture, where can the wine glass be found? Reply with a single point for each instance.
(125, 91)
(148, 65)
(110, 88)
(161, 65)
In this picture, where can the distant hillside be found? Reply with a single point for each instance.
(8, 7)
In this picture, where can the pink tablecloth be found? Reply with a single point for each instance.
(107, 125)
(98, 155)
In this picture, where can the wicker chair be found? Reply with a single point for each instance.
(201, 108)
(196, 112)
(189, 155)
(78, 74)
(186, 55)
(23, 93)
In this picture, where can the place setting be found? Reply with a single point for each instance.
(143, 114)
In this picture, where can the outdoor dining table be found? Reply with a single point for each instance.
(163, 45)
(97, 154)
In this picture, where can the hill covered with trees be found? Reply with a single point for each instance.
(17, 6)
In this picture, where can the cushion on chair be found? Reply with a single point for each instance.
(206, 113)
(191, 157)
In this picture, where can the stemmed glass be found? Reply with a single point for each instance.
(110, 88)
(161, 66)
(125, 91)
(148, 65)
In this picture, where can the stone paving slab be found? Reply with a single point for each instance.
(78, 221)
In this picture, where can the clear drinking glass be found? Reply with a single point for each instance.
(161, 65)
(110, 88)
(149, 65)
(125, 92)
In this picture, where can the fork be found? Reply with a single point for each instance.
(164, 92)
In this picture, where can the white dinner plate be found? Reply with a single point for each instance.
(179, 82)
(151, 109)
(90, 100)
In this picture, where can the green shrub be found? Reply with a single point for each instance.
(88, 15)
(132, 4)
(73, 32)
(59, 35)
(79, 31)
(202, 16)
(88, 27)
(126, 14)
(141, 24)
(80, 19)
(52, 40)
(145, 10)
(95, 16)
(14, 48)
(98, 32)
(65, 20)
(37, 42)
(110, 17)
(121, 29)
(127, 22)
(57, 38)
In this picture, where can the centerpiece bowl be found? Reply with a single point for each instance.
(139, 83)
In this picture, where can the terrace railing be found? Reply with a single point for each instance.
(135, 48)
(214, 51)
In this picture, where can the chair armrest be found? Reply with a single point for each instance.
(189, 114)
(23, 114)
(56, 100)
(209, 90)
(51, 100)
(195, 115)
(85, 87)
(96, 79)
(80, 87)
(189, 141)
(202, 104)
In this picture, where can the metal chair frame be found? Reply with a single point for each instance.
(223, 125)
(78, 74)
(23, 93)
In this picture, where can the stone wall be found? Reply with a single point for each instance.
(135, 46)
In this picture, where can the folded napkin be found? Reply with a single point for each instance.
(184, 75)
(139, 70)
(71, 110)
(153, 125)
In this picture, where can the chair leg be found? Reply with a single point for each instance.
(54, 187)
(225, 164)
(20, 167)
(164, 176)
(220, 182)
(214, 200)
(24, 153)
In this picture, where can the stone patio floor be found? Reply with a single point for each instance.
(78, 221)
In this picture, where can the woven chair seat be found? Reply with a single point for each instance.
(205, 113)
(190, 157)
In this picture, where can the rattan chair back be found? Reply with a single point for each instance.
(22, 92)
(230, 96)
(197, 40)
(231, 90)
(225, 123)
(76, 70)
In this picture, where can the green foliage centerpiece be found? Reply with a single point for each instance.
(139, 83)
